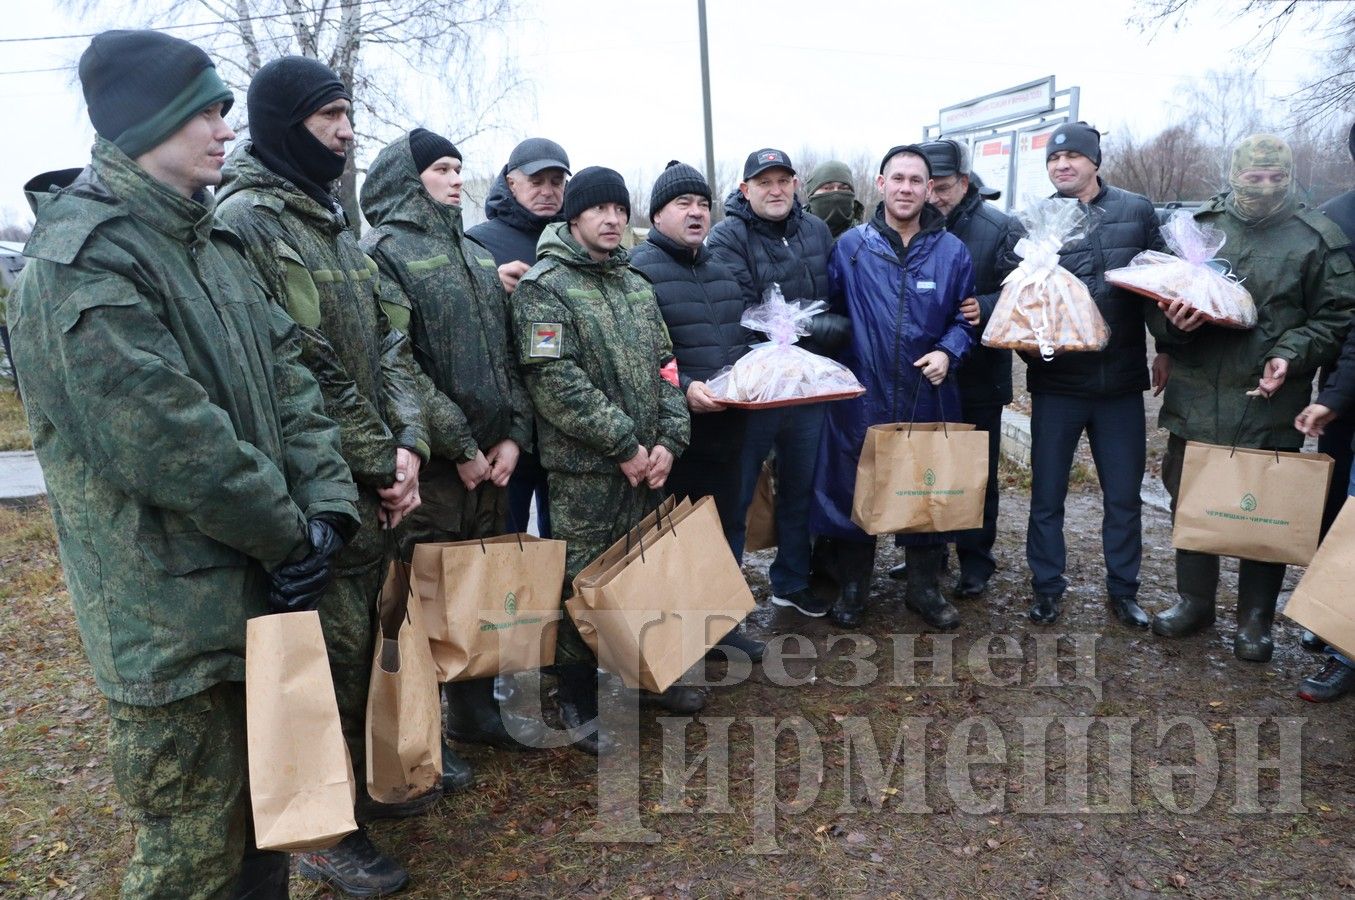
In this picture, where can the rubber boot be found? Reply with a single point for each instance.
(474, 716)
(1197, 583)
(577, 698)
(1258, 587)
(856, 562)
(923, 594)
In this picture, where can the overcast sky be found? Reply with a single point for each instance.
(617, 82)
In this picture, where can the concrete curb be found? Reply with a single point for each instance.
(20, 475)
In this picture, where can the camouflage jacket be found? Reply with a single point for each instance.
(1296, 269)
(182, 439)
(443, 290)
(590, 341)
(311, 261)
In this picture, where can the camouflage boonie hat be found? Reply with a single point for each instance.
(1262, 151)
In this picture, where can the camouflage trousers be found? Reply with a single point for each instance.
(590, 513)
(348, 620)
(182, 769)
(449, 512)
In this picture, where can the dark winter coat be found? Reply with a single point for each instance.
(989, 235)
(792, 253)
(701, 304)
(1296, 269)
(510, 231)
(182, 440)
(1125, 225)
(443, 290)
(903, 302)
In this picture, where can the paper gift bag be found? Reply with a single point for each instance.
(1324, 601)
(404, 715)
(664, 602)
(490, 606)
(921, 477)
(760, 531)
(300, 774)
(1252, 504)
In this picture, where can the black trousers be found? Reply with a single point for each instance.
(974, 548)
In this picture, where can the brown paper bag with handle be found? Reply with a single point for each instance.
(404, 715)
(1324, 601)
(1264, 505)
(760, 526)
(921, 477)
(654, 611)
(301, 781)
(490, 606)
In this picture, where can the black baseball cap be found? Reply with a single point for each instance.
(535, 154)
(764, 159)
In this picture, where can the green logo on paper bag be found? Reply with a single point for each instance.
(929, 478)
(510, 604)
(1248, 503)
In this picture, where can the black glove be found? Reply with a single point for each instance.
(298, 586)
(828, 332)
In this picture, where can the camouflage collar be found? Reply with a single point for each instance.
(557, 243)
(148, 200)
(244, 171)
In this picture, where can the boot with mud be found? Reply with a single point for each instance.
(475, 716)
(923, 594)
(1258, 587)
(856, 563)
(577, 700)
(1197, 583)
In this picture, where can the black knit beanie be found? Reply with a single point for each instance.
(1078, 137)
(676, 179)
(911, 150)
(142, 86)
(592, 186)
(427, 148)
(283, 93)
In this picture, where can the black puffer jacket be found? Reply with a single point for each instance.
(701, 304)
(985, 379)
(510, 231)
(1125, 226)
(792, 253)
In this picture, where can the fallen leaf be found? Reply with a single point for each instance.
(857, 837)
(992, 843)
(1178, 880)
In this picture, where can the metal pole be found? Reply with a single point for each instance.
(705, 94)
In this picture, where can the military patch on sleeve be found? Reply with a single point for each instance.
(545, 340)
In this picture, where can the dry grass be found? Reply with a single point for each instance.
(13, 426)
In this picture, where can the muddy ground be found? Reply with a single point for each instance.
(1004, 825)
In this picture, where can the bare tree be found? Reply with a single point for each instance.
(384, 50)
(1172, 165)
(1330, 93)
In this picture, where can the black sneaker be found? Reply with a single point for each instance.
(355, 867)
(1334, 681)
(738, 640)
(804, 602)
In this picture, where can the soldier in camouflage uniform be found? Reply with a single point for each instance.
(1293, 262)
(591, 342)
(443, 290)
(185, 450)
(275, 196)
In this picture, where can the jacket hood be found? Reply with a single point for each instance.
(71, 203)
(737, 205)
(245, 171)
(393, 192)
(500, 204)
(557, 243)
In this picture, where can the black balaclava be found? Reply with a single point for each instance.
(281, 96)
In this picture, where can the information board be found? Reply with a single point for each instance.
(1032, 177)
(991, 159)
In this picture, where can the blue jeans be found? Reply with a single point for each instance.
(1116, 432)
(794, 432)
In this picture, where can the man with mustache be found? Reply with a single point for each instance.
(702, 305)
(592, 346)
(276, 196)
